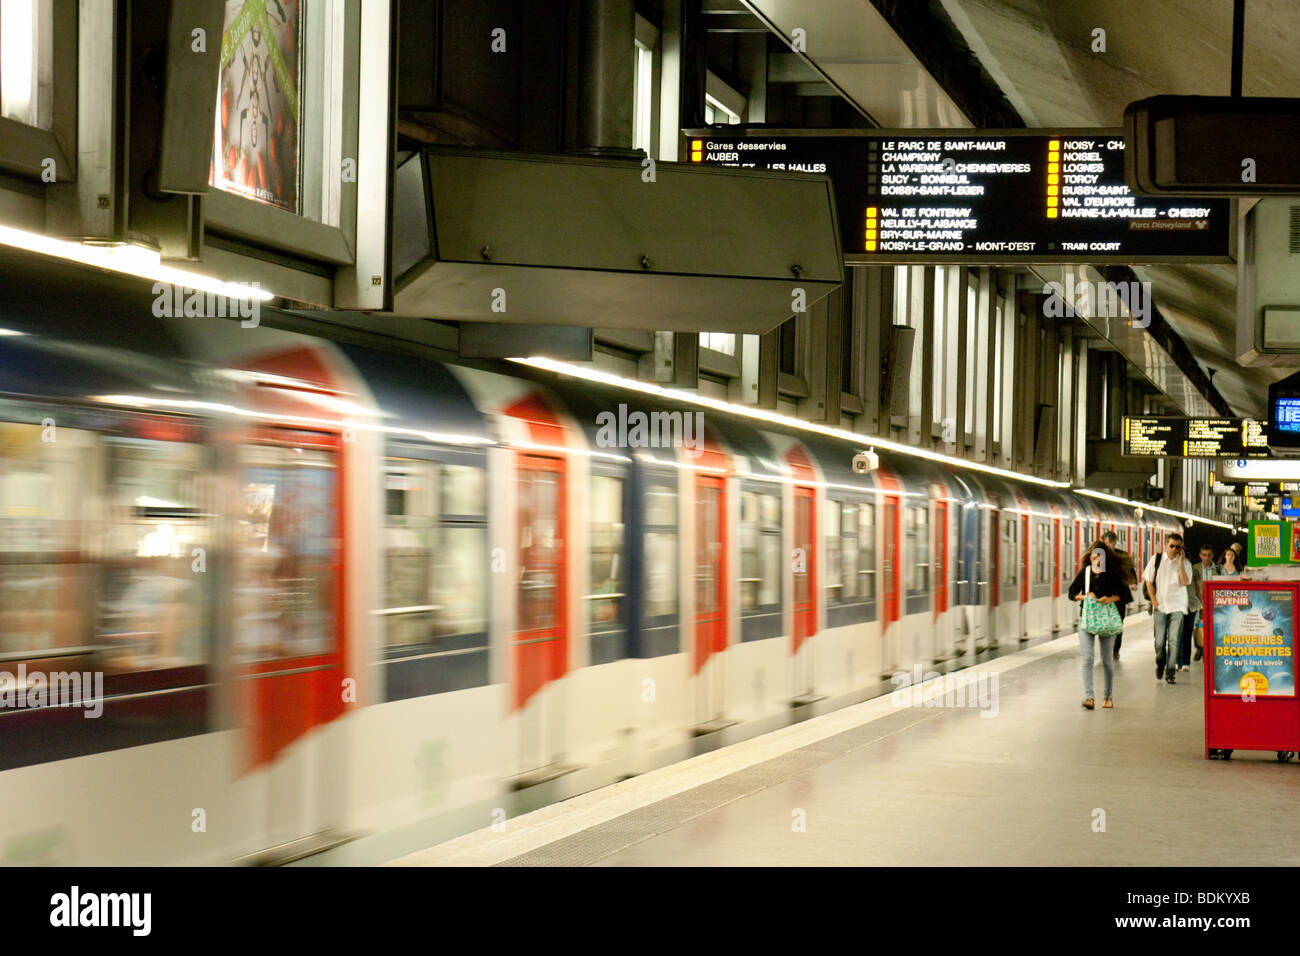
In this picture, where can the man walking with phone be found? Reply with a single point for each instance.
(1166, 578)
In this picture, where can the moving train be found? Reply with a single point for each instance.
(331, 592)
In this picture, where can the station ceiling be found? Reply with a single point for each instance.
(1040, 52)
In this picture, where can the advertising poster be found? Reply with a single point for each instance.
(257, 132)
(1254, 641)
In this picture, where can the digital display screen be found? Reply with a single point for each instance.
(1286, 414)
(977, 196)
(1173, 437)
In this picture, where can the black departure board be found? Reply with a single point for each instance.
(1160, 436)
(978, 196)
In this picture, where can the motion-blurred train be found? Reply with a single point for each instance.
(335, 591)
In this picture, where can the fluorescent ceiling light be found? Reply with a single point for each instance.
(128, 259)
(676, 394)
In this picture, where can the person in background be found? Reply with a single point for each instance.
(1166, 577)
(1204, 569)
(1228, 563)
(1127, 573)
(1098, 576)
(1240, 548)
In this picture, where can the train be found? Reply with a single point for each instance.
(327, 592)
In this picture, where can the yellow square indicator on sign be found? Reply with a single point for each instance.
(697, 144)
(1053, 179)
(1051, 214)
(871, 245)
(1054, 144)
(1053, 201)
(871, 212)
(696, 157)
(1053, 167)
(1053, 190)
(1053, 157)
(871, 233)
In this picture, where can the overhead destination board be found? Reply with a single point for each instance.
(979, 196)
(1172, 437)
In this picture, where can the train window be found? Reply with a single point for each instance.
(434, 551)
(918, 547)
(151, 608)
(45, 494)
(660, 550)
(287, 587)
(760, 550)
(850, 552)
(834, 566)
(607, 588)
(866, 566)
(540, 548)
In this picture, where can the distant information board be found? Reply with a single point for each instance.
(1160, 436)
(980, 196)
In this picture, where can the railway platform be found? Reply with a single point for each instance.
(1034, 779)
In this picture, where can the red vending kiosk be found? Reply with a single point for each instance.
(1250, 668)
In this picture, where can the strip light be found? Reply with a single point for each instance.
(680, 395)
(648, 388)
(1148, 507)
(128, 259)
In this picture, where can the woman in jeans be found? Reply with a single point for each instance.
(1099, 574)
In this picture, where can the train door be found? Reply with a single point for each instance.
(804, 563)
(971, 584)
(994, 600)
(289, 636)
(890, 585)
(1025, 567)
(943, 621)
(710, 596)
(540, 642)
(1055, 569)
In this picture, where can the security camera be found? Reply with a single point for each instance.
(865, 461)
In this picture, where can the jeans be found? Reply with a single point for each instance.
(1185, 640)
(1107, 661)
(1168, 630)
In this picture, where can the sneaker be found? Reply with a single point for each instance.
(1185, 667)
(1160, 671)
(1170, 678)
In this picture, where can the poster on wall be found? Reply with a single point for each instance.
(257, 131)
(1253, 640)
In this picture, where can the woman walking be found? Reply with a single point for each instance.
(1098, 587)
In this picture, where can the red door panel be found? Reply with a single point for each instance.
(710, 568)
(940, 557)
(541, 633)
(889, 565)
(805, 564)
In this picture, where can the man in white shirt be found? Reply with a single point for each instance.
(1166, 578)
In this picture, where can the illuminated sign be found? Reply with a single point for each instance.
(980, 196)
(1173, 437)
